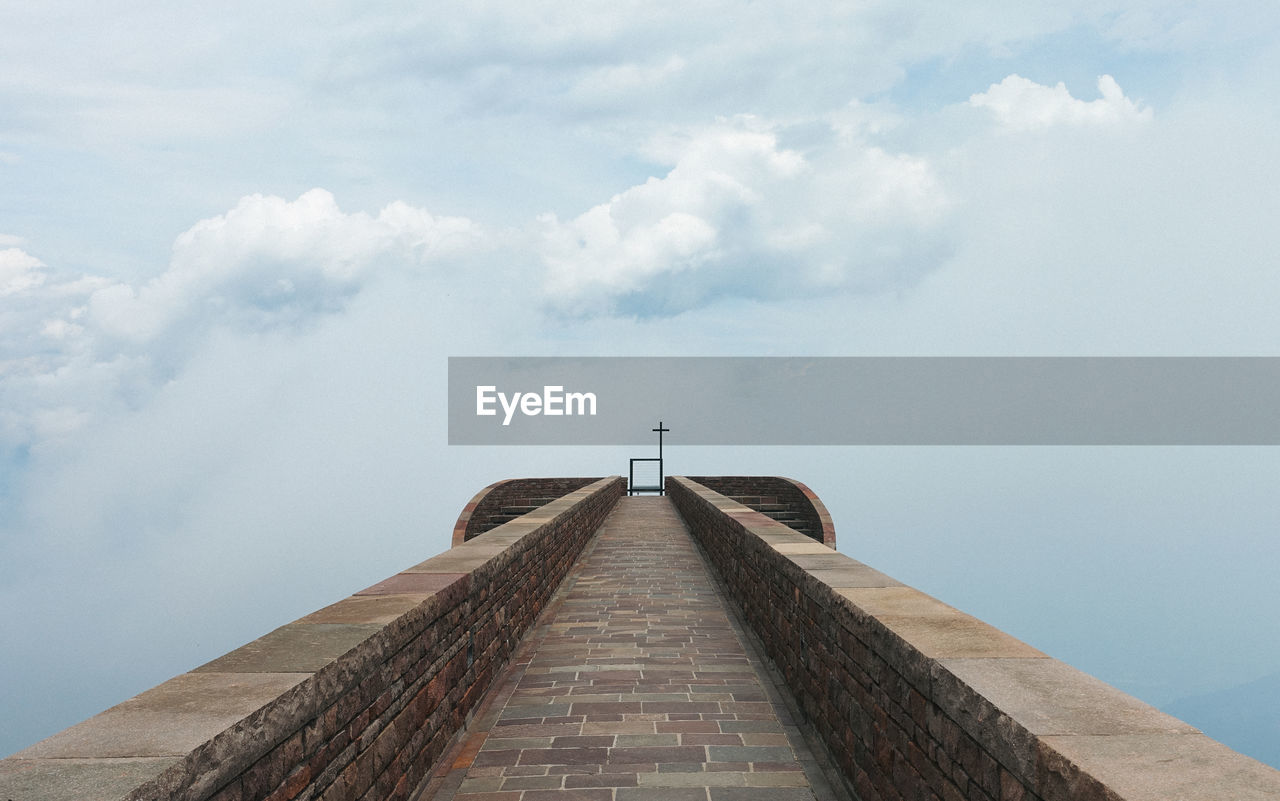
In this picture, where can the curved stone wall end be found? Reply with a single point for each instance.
(475, 517)
(788, 491)
(819, 509)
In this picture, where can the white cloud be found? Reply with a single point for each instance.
(72, 349)
(595, 249)
(269, 260)
(739, 214)
(19, 271)
(1023, 105)
(666, 225)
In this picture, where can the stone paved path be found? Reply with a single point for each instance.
(638, 687)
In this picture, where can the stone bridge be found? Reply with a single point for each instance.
(579, 645)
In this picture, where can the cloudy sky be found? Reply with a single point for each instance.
(239, 242)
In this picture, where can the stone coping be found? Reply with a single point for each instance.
(189, 735)
(1060, 732)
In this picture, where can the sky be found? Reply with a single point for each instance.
(239, 242)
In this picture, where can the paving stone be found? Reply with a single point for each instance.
(537, 730)
(604, 708)
(639, 688)
(699, 779)
(658, 754)
(638, 727)
(761, 794)
(596, 741)
(741, 726)
(532, 783)
(538, 711)
(633, 740)
(661, 794)
(563, 756)
(602, 780)
(776, 779)
(685, 767)
(715, 739)
(481, 784)
(749, 753)
(486, 759)
(585, 794)
(680, 707)
(502, 743)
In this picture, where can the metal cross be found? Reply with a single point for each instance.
(660, 429)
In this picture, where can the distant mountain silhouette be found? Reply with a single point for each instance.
(1245, 717)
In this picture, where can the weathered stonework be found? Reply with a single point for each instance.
(917, 700)
(355, 701)
(359, 700)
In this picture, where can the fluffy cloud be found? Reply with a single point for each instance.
(19, 271)
(688, 60)
(1023, 105)
(269, 260)
(38, 311)
(740, 214)
(74, 347)
(668, 225)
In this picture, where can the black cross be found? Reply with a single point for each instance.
(660, 429)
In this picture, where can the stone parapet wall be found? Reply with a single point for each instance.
(478, 516)
(355, 701)
(916, 700)
(786, 491)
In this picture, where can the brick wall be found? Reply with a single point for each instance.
(482, 513)
(355, 701)
(776, 489)
(916, 700)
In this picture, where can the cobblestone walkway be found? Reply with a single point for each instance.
(636, 687)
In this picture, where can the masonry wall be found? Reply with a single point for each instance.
(916, 700)
(355, 701)
(475, 517)
(788, 491)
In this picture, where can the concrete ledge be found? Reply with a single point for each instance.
(354, 701)
(916, 699)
